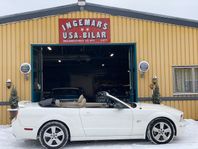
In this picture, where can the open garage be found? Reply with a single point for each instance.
(89, 68)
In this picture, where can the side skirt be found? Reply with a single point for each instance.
(107, 138)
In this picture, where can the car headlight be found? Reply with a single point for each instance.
(181, 117)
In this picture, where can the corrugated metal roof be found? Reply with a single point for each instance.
(98, 8)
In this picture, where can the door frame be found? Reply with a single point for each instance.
(132, 59)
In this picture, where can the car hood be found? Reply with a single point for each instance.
(158, 107)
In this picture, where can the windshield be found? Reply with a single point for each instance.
(131, 104)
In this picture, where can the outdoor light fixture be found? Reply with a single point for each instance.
(59, 61)
(81, 3)
(112, 54)
(8, 83)
(143, 67)
(25, 69)
(49, 48)
(103, 65)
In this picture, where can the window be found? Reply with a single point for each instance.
(185, 79)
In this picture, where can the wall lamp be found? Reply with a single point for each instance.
(8, 83)
(82, 4)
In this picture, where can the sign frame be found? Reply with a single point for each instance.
(143, 63)
(84, 30)
(23, 65)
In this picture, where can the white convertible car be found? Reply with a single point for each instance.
(56, 125)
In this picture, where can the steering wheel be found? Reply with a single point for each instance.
(110, 103)
(100, 97)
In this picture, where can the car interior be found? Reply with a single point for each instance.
(82, 103)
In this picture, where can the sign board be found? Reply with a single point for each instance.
(86, 30)
(25, 68)
(143, 66)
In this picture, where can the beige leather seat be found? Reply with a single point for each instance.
(81, 101)
(76, 104)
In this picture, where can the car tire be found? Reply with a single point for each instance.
(160, 131)
(53, 135)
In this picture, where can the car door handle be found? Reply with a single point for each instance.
(88, 112)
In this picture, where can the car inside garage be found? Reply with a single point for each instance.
(66, 71)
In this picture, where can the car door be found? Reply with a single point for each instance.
(98, 122)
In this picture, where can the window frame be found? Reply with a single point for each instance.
(192, 67)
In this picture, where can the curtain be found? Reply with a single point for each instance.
(183, 80)
(196, 80)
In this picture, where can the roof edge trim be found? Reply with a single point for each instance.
(101, 9)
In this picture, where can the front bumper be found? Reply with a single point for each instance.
(180, 127)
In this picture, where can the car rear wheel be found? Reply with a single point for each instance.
(53, 135)
(160, 131)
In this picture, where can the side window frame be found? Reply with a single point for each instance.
(193, 80)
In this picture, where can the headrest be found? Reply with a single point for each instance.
(80, 99)
(83, 103)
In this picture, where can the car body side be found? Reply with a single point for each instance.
(31, 118)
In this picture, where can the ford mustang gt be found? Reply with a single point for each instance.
(61, 122)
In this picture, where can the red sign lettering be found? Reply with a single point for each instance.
(86, 30)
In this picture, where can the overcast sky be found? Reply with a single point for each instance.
(178, 8)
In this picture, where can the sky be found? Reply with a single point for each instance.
(177, 8)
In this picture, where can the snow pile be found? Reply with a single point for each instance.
(189, 140)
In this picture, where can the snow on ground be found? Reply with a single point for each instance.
(189, 140)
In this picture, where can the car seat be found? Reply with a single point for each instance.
(81, 102)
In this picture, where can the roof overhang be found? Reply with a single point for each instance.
(101, 9)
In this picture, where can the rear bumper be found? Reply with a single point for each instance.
(22, 132)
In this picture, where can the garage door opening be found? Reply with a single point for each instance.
(87, 68)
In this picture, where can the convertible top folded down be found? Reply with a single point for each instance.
(80, 103)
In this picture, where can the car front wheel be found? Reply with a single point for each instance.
(160, 131)
(53, 135)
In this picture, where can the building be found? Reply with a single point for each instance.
(80, 38)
